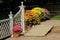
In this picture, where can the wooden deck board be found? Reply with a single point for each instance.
(39, 30)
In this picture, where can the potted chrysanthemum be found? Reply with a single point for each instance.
(28, 18)
(17, 30)
(33, 17)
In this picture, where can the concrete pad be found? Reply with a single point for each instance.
(39, 30)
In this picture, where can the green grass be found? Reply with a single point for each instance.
(56, 17)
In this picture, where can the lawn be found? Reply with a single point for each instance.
(56, 17)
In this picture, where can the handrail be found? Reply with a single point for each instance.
(17, 13)
(4, 20)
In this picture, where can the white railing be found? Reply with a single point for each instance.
(4, 28)
(6, 25)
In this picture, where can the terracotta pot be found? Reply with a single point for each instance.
(29, 27)
(15, 34)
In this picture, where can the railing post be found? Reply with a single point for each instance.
(11, 22)
(22, 7)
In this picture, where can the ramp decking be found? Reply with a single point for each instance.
(39, 30)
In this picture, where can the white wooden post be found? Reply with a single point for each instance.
(11, 22)
(22, 16)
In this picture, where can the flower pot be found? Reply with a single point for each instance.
(29, 27)
(15, 34)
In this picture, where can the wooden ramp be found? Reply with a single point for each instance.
(39, 30)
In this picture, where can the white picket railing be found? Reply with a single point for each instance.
(6, 25)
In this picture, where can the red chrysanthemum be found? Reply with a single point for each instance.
(17, 28)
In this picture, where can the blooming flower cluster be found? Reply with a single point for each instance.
(17, 28)
(34, 16)
(39, 11)
(47, 13)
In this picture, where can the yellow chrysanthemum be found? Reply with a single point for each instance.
(37, 10)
